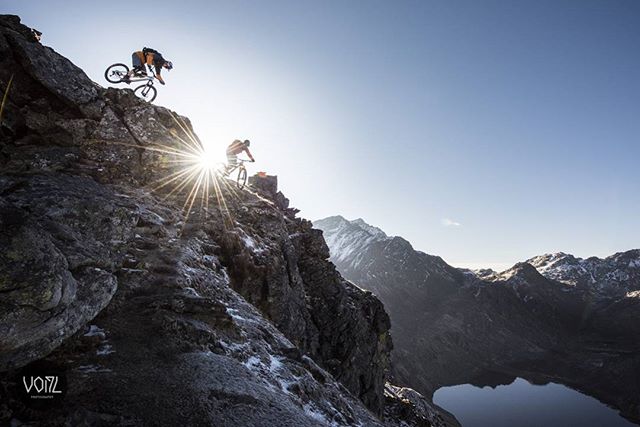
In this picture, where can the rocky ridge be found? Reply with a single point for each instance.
(230, 316)
(611, 277)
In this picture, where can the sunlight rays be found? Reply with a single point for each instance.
(195, 173)
(4, 97)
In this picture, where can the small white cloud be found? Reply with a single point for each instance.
(447, 222)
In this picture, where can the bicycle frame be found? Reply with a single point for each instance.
(133, 79)
(148, 79)
(237, 166)
(120, 73)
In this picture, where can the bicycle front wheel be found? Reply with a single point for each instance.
(116, 72)
(242, 177)
(146, 92)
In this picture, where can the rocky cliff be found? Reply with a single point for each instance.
(553, 318)
(229, 316)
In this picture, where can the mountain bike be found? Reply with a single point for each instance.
(241, 180)
(117, 73)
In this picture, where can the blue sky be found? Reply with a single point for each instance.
(485, 132)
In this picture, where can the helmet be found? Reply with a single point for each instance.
(247, 142)
(168, 65)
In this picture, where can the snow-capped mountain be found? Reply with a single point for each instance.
(613, 276)
(348, 239)
(366, 255)
(350, 243)
(570, 320)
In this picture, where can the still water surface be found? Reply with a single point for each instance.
(525, 405)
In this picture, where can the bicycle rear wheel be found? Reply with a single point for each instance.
(242, 177)
(146, 92)
(116, 72)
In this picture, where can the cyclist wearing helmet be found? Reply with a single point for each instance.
(148, 57)
(235, 148)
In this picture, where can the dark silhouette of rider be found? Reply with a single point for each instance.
(235, 148)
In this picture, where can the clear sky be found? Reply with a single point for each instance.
(482, 131)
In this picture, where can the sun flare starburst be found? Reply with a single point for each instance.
(194, 172)
(208, 161)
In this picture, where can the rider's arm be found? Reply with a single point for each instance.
(151, 65)
(149, 58)
(246, 149)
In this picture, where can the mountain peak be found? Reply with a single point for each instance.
(347, 239)
(336, 222)
(369, 228)
(359, 221)
(523, 270)
(542, 262)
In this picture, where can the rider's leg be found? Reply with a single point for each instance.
(232, 162)
(137, 59)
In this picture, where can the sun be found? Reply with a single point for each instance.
(197, 172)
(207, 160)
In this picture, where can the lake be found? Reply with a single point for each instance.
(522, 404)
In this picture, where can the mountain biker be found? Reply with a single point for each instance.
(148, 57)
(235, 148)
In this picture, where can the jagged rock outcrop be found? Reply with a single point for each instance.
(554, 318)
(280, 266)
(231, 316)
(60, 239)
(63, 232)
(268, 185)
(413, 409)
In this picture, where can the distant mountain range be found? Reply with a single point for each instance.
(350, 243)
(554, 317)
